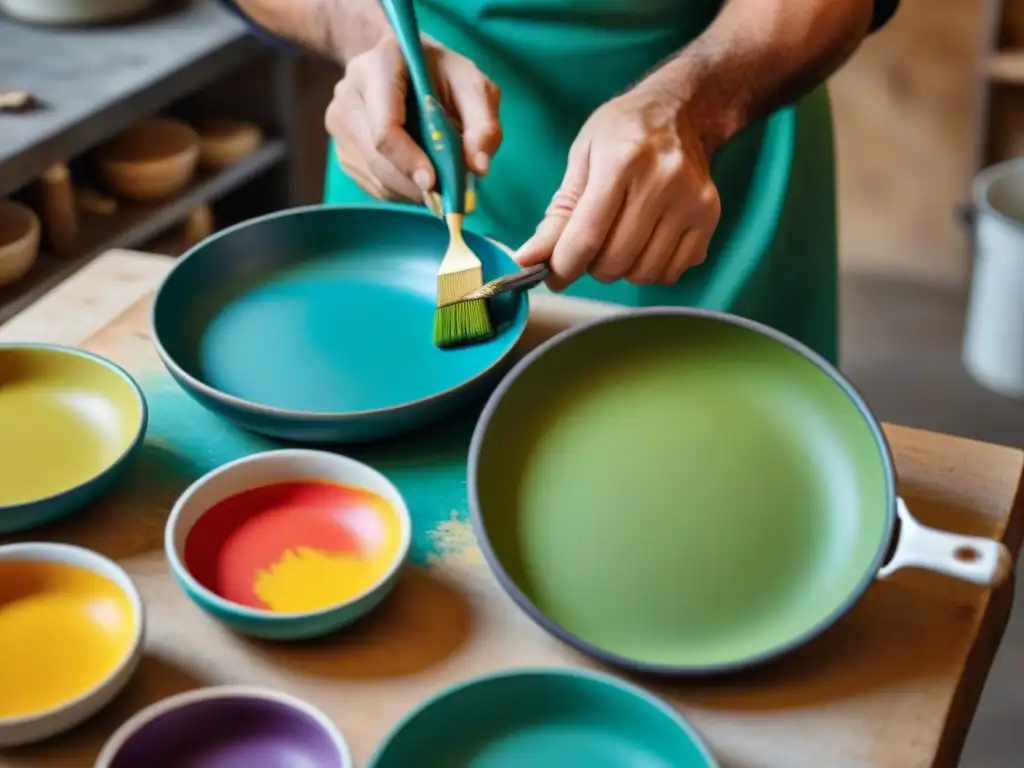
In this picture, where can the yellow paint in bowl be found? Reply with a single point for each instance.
(64, 629)
(66, 417)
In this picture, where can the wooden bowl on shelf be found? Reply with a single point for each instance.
(153, 159)
(19, 240)
(225, 142)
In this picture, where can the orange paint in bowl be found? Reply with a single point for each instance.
(64, 629)
(294, 547)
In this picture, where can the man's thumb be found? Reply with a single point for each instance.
(541, 245)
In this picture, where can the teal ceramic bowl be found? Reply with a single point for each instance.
(316, 324)
(545, 718)
(685, 492)
(290, 544)
(69, 423)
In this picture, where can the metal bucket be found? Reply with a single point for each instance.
(993, 347)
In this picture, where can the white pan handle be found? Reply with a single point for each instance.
(969, 558)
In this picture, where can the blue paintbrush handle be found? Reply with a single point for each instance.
(441, 141)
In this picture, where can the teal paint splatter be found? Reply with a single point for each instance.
(184, 441)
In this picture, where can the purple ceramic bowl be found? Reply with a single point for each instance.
(227, 727)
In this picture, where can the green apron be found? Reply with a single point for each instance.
(773, 257)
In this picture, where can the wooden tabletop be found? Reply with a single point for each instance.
(893, 685)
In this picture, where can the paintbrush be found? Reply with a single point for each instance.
(455, 322)
(523, 280)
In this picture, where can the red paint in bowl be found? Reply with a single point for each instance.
(294, 547)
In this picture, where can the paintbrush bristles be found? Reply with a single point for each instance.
(464, 322)
(459, 322)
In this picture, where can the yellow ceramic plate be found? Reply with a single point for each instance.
(71, 627)
(67, 419)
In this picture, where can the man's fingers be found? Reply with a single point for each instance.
(476, 100)
(540, 247)
(371, 170)
(685, 256)
(630, 233)
(345, 121)
(589, 224)
(655, 257)
(397, 185)
(693, 248)
(383, 93)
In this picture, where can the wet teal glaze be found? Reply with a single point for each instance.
(543, 719)
(184, 441)
(315, 324)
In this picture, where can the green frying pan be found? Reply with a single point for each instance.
(682, 492)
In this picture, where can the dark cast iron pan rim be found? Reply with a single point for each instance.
(675, 670)
(140, 425)
(256, 409)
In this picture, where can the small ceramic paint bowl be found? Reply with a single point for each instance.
(289, 544)
(227, 727)
(69, 422)
(71, 632)
(543, 718)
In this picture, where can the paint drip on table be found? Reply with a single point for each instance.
(296, 546)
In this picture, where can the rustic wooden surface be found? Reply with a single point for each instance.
(82, 305)
(893, 685)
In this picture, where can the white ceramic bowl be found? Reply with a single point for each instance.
(26, 729)
(271, 468)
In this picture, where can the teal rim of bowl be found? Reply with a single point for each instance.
(248, 406)
(198, 593)
(52, 552)
(140, 428)
(674, 670)
(603, 678)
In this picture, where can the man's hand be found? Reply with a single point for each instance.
(367, 119)
(637, 200)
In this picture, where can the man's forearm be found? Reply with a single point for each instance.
(759, 55)
(339, 29)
